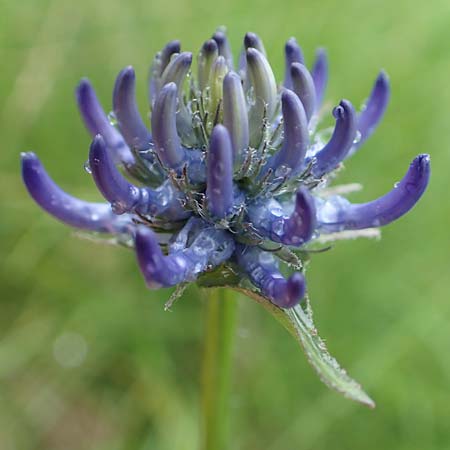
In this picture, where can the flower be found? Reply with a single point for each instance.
(233, 177)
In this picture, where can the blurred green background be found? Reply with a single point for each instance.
(88, 357)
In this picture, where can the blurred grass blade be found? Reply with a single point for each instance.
(298, 321)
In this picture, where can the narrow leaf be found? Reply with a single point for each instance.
(299, 323)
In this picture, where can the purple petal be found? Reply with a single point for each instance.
(158, 270)
(252, 40)
(224, 47)
(160, 62)
(219, 188)
(170, 49)
(126, 197)
(338, 214)
(296, 136)
(164, 126)
(235, 116)
(269, 219)
(262, 269)
(128, 118)
(303, 86)
(293, 54)
(68, 209)
(97, 122)
(340, 142)
(374, 108)
(300, 226)
(177, 70)
(319, 74)
(209, 247)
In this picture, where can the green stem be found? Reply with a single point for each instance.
(220, 315)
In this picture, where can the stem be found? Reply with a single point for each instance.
(220, 315)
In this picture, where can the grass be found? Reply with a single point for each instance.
(382, 306)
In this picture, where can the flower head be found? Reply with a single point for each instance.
(233, 177)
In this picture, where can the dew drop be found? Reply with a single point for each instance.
(87, 167)
(196, 121)
(278, 227)
(357, 137)
(112, 118)
(265, 258)
(251, 98)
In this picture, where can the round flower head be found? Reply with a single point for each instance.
(230, 178)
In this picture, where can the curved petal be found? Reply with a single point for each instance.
(251, 40)
(160, 63)
(158, 270)
(125, 109)
(340, 142)
(374, 108)
(167, 141)
(319, 74)
(262, 269)
(254, 41)
(296, 229)
(97, 122)
(296, 135)
(177, 70)
(219, 187)
(164, 126)
(303, 86)
(210, 246)
(293, 54)
(126, 197)
(70, 210)
(337, 214)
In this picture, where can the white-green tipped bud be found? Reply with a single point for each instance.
(208, 54)
(235, 115)
(262, 81)
(218, 71)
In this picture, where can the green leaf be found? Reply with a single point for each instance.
(298, 321)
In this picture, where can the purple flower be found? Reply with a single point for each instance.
(233, 170)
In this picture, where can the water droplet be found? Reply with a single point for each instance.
(357, 137)
(163, 198)
(87, 167)
(278, 227)
(112, 118)
(282, 171)
(118, 207)
(329, 210)
(266, 258)
(219, 169)
(251, 98)
(196, 121)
